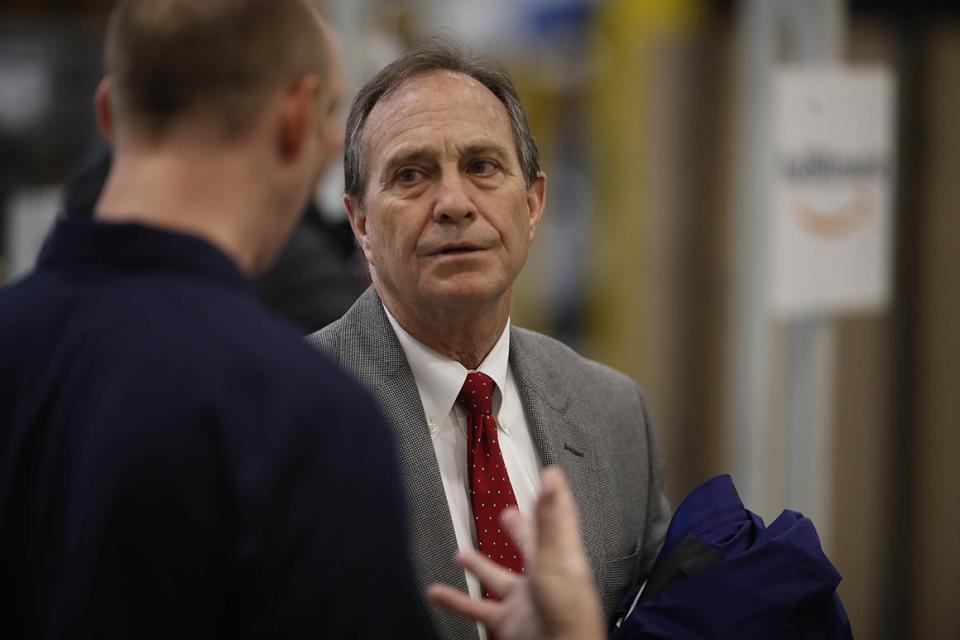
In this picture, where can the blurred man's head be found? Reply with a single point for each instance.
(219, 61)
(249, 86)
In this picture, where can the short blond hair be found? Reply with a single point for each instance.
(171, 59)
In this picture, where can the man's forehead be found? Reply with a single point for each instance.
(426, 100)
(445, 79)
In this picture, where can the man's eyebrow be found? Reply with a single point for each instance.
(483, 149)
(418, 154)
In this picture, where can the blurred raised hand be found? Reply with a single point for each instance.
(554, 599)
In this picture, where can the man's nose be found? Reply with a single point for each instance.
(453, 202)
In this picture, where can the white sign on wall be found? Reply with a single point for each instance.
(832, 192)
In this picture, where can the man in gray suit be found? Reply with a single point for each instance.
(444, 192)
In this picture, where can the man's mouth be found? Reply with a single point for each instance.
(456, 249)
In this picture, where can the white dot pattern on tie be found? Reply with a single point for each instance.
(477, 398)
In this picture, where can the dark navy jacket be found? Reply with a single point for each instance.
(176, 463)
(722, 574)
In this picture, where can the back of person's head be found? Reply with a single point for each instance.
(213, 61)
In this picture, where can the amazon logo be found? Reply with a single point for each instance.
(825, 168)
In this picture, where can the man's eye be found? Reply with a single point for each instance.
(483, 167)
(407, 176)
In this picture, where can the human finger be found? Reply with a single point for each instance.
(557, 522)
(521, 531)
(446, 597)
(494, 578)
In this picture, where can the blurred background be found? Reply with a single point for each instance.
(820, 370)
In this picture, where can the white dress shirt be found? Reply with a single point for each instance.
(439, 380)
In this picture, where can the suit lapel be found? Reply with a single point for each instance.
(368, 346)
(384, 368)
(561, 441)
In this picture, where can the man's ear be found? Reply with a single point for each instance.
(536, 201)
(103, 108)
(358, 221)
(298, 118)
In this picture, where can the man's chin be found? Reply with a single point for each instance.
(464, 289)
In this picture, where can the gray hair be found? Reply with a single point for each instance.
(435, 54)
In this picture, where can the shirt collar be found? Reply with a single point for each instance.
(439, 378)
(80, 243)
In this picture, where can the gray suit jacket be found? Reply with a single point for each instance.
(583, 416)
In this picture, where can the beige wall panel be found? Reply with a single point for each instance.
(934, 591)
(863, 483)
(859, 546)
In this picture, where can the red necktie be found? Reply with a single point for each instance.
(490, 489)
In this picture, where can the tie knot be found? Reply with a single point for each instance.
(477, 393)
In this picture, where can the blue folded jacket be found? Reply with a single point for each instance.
(722, 574)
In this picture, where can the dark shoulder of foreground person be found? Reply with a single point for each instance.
(272, 471)
(342, 509)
